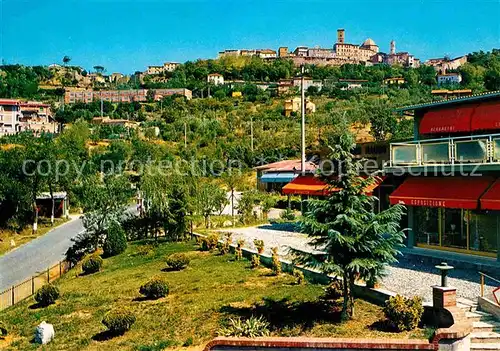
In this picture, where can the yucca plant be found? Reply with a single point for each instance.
(253, 327)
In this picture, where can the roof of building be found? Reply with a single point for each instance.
(450, 102)
(215, 75)
(9, 102)
(369, 42)
(286, 166)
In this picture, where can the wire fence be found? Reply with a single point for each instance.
(29, 287)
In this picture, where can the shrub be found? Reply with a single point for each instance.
(118, 321)
(154, 289)
(276, 264)
(145, 250)
(116, 241)
(255, 262)
(251, 328)
(334, 291)
(92, 264)
(178, 261)
(239, 247)
(3, 330)
(402, 313)
(209, 242)
(225, 246)
(299, 276)
(288, 215)
(47, 295)
(259, 245)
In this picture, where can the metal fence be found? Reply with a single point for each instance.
(28, 287)
(490, 287)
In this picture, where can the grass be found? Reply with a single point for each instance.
(202, 298)
(26, 235)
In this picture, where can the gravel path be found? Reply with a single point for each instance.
(407, 277)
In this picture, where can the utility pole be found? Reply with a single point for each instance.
(101, 105)
(303, 123)
(251, 133)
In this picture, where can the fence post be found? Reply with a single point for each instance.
(482, 285)
(48, 275)
(32, 285)
(13, 297)
(60, 268)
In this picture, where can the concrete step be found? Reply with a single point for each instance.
(466, 304)
(477, 316)
(486, 326)
(485, 346)
(485, 337)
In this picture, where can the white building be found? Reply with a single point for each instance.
(215, 79)
(10, 114)
(449, 78)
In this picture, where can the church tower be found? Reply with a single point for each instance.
(393, 47)
(340, 36)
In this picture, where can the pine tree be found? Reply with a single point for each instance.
(354, 242)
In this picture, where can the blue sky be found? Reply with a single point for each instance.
(125, 36)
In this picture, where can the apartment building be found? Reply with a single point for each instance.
(18, 116)
(10, 114)
(449, 78)
(170, 66)
(80, 95)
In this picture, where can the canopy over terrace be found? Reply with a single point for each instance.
(311, 185)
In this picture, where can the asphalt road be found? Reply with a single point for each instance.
(37, 255)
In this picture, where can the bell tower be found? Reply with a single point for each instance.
(340, 36)
(393, 47)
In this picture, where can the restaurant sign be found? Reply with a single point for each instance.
(423, 202)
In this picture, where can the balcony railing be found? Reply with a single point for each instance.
(459, 150)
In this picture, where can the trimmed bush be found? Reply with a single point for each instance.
(255, 262)
(178, 261)
(116, 241)
(3, 330)
(259, 245)
(118, 321)
(47, 295)
(154, 289)
(250, 328)
(403, 313)
(299, 276)
(276, 264)
(209, 242)
(92, 264)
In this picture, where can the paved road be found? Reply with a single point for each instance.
(37, 255)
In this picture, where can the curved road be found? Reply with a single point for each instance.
(37, 255)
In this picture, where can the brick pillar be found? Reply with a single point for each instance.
(443, 297)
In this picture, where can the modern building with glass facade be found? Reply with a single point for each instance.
(449, 175)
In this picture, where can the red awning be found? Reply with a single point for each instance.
(311, 185)
(307, 185)
(447, 120)
(486, 116)
(450, 192)
(491, 199)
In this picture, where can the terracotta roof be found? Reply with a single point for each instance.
(9, 102)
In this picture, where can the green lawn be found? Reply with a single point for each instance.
(202, 298)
